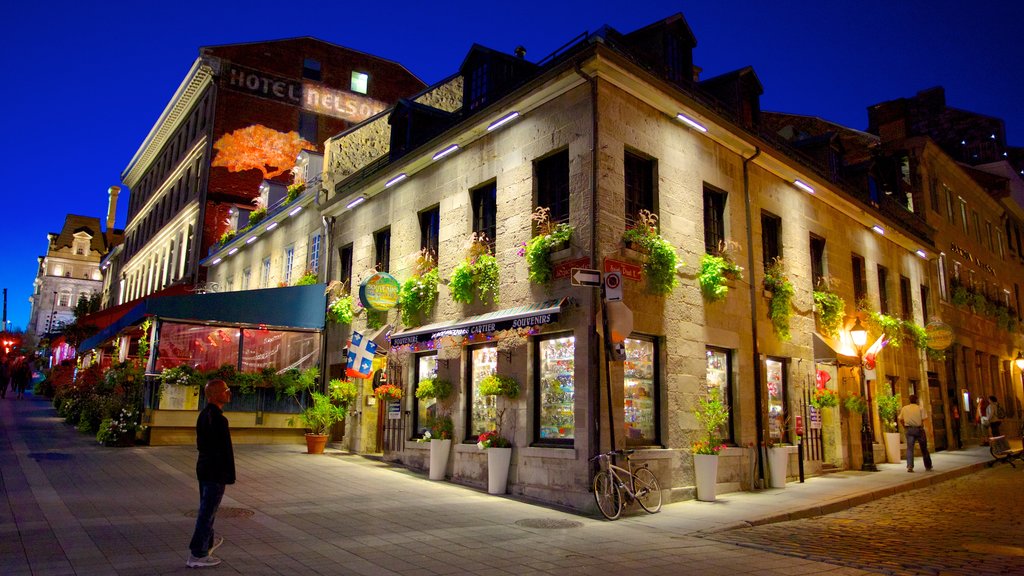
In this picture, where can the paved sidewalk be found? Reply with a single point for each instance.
(70, 506)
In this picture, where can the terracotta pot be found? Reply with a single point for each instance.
(315, 443)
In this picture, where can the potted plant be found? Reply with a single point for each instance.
(824, 398)
(888, 410)
(499, 448)
(318, 417)
(418, 294)
(712, 414)
(779, 308)
(550, 238)
(660, 259)
(441, 426)
(715, 270)
(388, 392)
(477, 275)
(120, 429)
(829, 308)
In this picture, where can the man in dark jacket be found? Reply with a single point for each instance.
(215, 469)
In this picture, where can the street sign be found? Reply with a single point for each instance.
(633, 272)
(612, 287)
(564, 268)
(586, 277)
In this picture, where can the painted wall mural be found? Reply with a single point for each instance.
(257, 147)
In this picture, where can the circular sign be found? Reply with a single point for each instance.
(940, 335)
(612, 281)
(379, 291)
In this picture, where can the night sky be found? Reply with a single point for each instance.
(84, 85)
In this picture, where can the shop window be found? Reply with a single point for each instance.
(430, 229)
(771, 238)
(714, 219)
(555, 370)
(552, 175)
(485, 210)
(382, 249)
(279, 349)
(426, 367)
(483, 410)
(641, 391)
(360, 82)
(775, 373)
(639, 180)
(202, 347)
(719, 383)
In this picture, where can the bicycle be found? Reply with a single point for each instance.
(615, 486)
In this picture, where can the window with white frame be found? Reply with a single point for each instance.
(289, 261)
(246, 277)
(265, 273)
(314, 253)
(64, 299)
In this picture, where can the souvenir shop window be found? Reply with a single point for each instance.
(201, 347)
(482, 414)
(719, 383)
(641, 391)
(556, 390)
(778, 416)
(425, 367)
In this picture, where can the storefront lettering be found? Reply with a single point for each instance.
(531, 321)
(966, 255)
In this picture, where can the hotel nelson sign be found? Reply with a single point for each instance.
(310, 96)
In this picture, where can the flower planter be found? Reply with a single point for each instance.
(705, 466)
(315, 443)
(122, 441)
(892, 447)
(778, 463)
(439, 450)
(498, 460)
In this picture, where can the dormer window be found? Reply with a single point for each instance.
(478, 86)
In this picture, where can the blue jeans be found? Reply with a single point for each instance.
(917, 434)
(210, 494)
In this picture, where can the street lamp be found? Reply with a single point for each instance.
(859, 335)
(1020, 361)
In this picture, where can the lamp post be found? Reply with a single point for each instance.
(859, 335)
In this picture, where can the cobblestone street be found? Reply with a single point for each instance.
(941, 529)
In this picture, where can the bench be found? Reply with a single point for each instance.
(1001, 451)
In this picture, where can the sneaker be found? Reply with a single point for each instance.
(203, 562)
(218, 540)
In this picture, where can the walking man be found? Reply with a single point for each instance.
(994, 415)
(215, 469)
(912, 417)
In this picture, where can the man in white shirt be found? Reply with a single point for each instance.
(912, 417)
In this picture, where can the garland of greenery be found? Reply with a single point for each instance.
(474, 278)
(779, 308)
(538, 252)
(830, 308)
(418, 297)
(342, 310)
(712, 276)
(890, 326)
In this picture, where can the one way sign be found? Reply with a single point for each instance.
(585, 277)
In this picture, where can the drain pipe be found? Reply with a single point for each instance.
(758, 393)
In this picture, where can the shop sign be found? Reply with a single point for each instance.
(564, 268)
(379, 291)
(630, 271)
(395, 410)
(308, 95)
(940, 335)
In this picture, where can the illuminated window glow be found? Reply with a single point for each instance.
(360, 81)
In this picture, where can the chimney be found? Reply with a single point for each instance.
(112, 192)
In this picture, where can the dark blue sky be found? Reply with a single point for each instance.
(84, 84)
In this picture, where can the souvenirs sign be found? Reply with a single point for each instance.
(940, 335)
(379, 292)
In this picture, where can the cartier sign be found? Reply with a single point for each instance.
(310, 96)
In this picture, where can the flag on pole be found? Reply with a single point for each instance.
(360, 356)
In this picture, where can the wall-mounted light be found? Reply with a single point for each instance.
(803, 186)
(878, 229)
(446, 151)
(251, 240)
(232, 251)
(217, 261)
(395, 180)
(295, 211)
(272, 226)
(355, 202)
(691, 122)
(859, 334)
(1020, 361)
(503, 120)
(922, 254)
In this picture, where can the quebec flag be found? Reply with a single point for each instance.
(360, 356)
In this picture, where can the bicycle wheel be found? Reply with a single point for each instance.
(648, 492)
(607, 495)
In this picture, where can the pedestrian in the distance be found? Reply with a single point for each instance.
(982, 420)
(215, 469)
(993, 413)
(5, 376)
(912, 417)
(954, 416)
(22, 375)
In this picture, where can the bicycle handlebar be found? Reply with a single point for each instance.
(625, 453)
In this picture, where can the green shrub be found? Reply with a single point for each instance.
(712, 276)
(779, 307)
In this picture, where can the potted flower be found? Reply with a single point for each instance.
(550, 238)
(824, 398)
(660, 259)
(418, 294)
(499, 448)
(120, 429)
(712, 414)
(715, 270)
(476, 277)
(318, 417)
(441, 426)
(779, 308)
(388, 392)
(888, 410)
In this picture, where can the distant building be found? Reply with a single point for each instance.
(70, 269)
(239, 118)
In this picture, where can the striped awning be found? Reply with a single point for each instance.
(527, 316)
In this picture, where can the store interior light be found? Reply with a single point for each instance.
(355, 202)
(272, 226)
(691, 122)
(251, 240)
(503, 120)
(232, 251)
(878, 229)
(922, 254)
(803, 186)
(395, 180)
(446, 151)
(295, 211)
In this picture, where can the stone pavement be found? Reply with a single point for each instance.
(70, 506)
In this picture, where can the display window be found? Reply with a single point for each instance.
(775, 374)
(279, 349)
(556, 389)
(719, 385)
(641, 391)
(483, 361)
(426, 367)
(201, 347)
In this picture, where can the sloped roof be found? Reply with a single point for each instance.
(74, 224)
